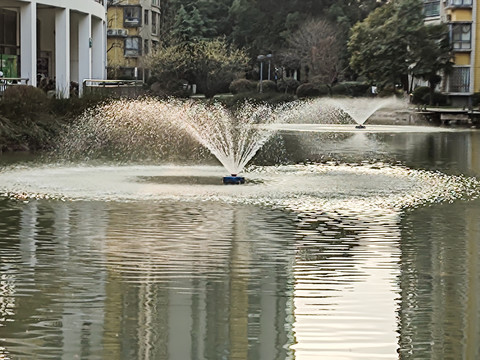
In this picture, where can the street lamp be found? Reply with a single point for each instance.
(269, 57)
(261, 58)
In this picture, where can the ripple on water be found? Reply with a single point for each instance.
(302, 188)
(336, 263)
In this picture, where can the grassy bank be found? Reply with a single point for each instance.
(30, 121)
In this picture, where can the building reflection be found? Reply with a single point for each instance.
(202, 288)
(98, 280)
(440, 283)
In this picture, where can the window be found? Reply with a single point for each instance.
(133, 46)
(154, 45)
(431, 8)
(156, 2)
(155, 17)
(460, 2)
(132, 16)
(460, 79)
(145, 46)
(461, 36)
(145, 17)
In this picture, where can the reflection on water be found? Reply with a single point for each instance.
(149, 281)
(440, 297)
(209, 280)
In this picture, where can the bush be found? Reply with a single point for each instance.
(340, 89)
(323, 89)
(288, 85)
(419, 94)
(308, 90)
(476, 99)
(174, 87)
(24, 99)
(356, 89)
(272, 98)
(267, 86)
(389, 92)
(239, 86)
(438, 99)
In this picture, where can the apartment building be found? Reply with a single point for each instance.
(462, 18)
(133, 28)
(62, 40)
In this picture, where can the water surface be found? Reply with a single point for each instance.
(111, 278)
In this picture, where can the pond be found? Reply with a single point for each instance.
(126, 266)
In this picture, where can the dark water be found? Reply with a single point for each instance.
(208, 280)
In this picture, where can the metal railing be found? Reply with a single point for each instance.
(114, 88)
(6, 82)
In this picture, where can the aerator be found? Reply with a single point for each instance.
(233, 180)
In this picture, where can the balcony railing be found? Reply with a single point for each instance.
(459, 3)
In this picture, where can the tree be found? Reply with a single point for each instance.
(378, 47)
(315, 47)
(189, 26)
(432, 56)
(211, 64)
(391, 39)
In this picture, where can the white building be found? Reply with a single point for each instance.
(63, 40)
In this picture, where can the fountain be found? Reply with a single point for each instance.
(154, 131)
(360, 109)
(157, 128)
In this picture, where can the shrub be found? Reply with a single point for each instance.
(255, 97)
(356, 89)
(26, 97)
(323, 89)
(288, 85)
(308, 90)
(267, 86)
(351, 88)
(239, 86)
(173, 87)
(438, 99)
(419, 94)
(476, 99)
(340, 89)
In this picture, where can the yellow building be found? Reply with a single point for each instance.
(133, 28)
(461, 16)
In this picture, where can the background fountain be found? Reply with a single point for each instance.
(360, 109)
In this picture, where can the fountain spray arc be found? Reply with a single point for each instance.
(360, 109)
(233, 137)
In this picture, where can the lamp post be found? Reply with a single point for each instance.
(261, 58)
(269, 57)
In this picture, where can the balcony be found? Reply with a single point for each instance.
(459, 3)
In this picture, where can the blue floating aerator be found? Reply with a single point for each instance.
(233, 180)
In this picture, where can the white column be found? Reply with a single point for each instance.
(62, 52)
(28, 42)
(84, 50)
(98, 49)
